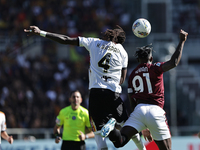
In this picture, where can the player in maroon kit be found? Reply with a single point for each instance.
(146, 95)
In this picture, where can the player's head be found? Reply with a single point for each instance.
(144, 54)
(115, 35)
(75, 98)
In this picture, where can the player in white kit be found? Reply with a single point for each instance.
(4, 134)
(108, 68)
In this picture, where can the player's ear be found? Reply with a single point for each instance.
(81, 100)
(70, 99)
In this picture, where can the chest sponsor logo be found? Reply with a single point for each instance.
(158, 64)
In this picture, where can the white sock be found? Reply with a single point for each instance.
(138, 142)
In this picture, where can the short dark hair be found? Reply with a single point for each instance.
(144, 52)
(116, 35)
(72, 92)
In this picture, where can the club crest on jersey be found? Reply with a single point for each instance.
(158, 64)
(73, 117)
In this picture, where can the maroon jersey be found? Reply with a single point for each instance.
(146, 83)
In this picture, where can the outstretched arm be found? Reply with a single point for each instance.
(176, 57)
(62, 39)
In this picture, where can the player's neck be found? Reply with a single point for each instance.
(141, 61)
(75, 107)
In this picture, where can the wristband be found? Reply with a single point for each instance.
(56, 135)
(86, 136)
(43, 33)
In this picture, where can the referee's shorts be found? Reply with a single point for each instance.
(73, 145)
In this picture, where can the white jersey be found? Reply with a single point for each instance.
(106, 62)
(2, 122)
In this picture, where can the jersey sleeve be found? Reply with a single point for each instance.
(87, 119)
(59, 119)
(130, 90)
(86, 42)
(3, 123)
(125, 61)
(158, 67)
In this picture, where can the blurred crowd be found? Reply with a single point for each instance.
(71, 17)
(33, 90)
(186, 14)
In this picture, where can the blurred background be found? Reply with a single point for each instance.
(37, 75)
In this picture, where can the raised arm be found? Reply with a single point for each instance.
(176, 57)
(62, 39)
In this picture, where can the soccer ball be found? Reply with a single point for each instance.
(141, 28)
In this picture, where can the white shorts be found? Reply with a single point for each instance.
(151, 117)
